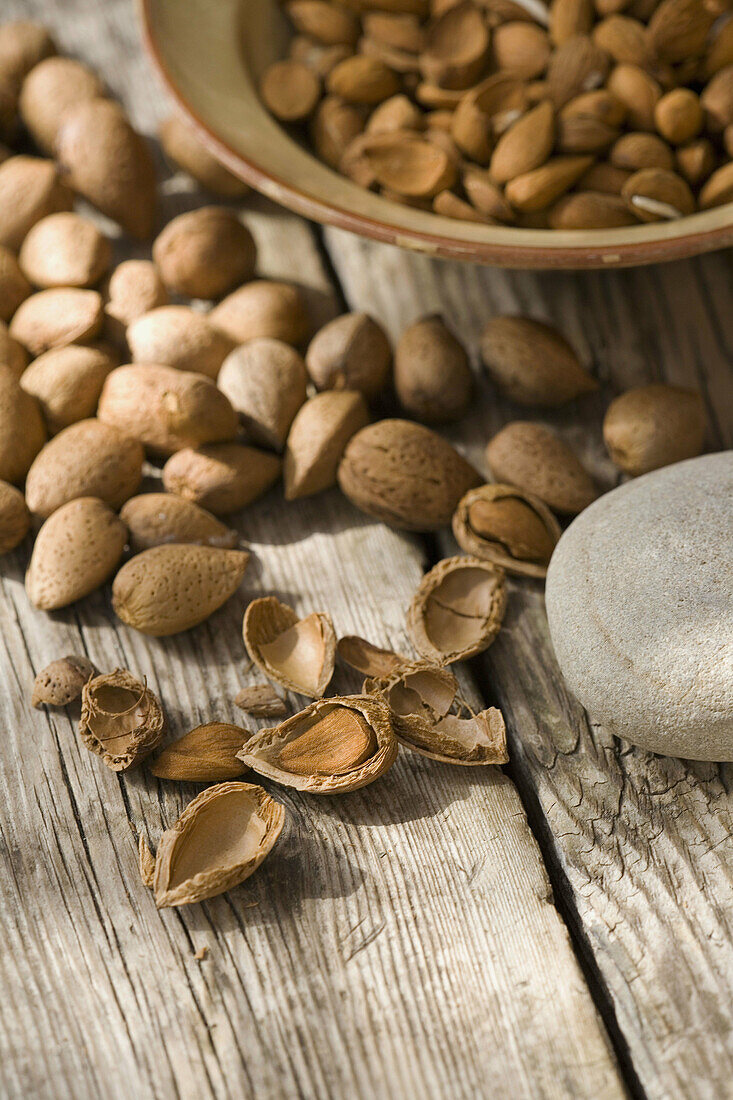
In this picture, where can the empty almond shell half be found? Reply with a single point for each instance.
(457, 609)
(121, 719)
(332, 746)
(366, 657)
(206, 754)
(503, 525)
(219, 840)
(297, 653)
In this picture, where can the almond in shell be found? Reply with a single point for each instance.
(503, 525)
(205, 252)
(432, 374)
(134, 288)
(154, 519)
(57, 317)
(50, 90)
(263, 308)
(30, 188)
(22, 431)
(351, 352)
(180, 337)
(121, 719)
(171, 588)
(65, 250)
(534, 459)
(221, 477)
(297, 653)
(12, 353)
(67, 383)
(15, 518)
(532, 363)
(23, 45)
(61, 682)
(207, 754)
(653, 426)
(318, 437)
(457, 610)
(265, 380)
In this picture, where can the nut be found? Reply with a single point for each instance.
(67, 383)
(50, 90)
(30, 188)
(351, 352)
(65, 250)
(534, 459)
(57, 317)
(457, 610)
(265, 381)
(222, 477)
(22, 431)
(532, 363)
(263, 308)
(61, 682)
(297, 653)
(180, 337)
(653, 426)
(318, 437)
(205, 252)
(432, 375)
(181, 146)
(121, 719)
(133, 288)
(154, 519)
(15, 518)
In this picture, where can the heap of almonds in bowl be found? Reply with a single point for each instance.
(587, 114)
(107, 373)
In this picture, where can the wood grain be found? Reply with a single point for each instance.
(641, 845)
(401, 941)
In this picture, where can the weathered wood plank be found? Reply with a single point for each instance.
(400, 941)
(642, 842)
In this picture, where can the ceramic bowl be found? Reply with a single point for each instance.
(211, 54)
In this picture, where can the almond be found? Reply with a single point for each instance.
(61, 682)
(456, 46)
(590, 210)
(409, 165)
(265, 381)
(180, 337)
(534, 459)
(317, 440)
(362, 80)
(635, 151)
(207, 754)
(538, 189)
(110, 164)
(23, 45)
(584, 134)
(577, 65)
(695, 162)
(22, 431)
(624, 39)
(14, 287)
(263, 308)
(30, 188)
(720, 50)
(432, 375)
(15, 518)
(405, 474)
(166, 409)
(76, 550)
(503, 525)
(486, 196)
(638, 91)
(654, 194)
(525, 145)
(396, 113)
(134, 288)
(604, 178)
(521, 48)
(168, 589)
(716, 100)
(333, 127)
(49, 91)
(351, 352)
(290, 90)
(570, 17)
(181, 145)
(653, 426)
(718, 189)
(67, 383)
(317, 55)
(154, 519)
(328, 23)
(678, 116)
(532, 363)
(57, 317)
(65, 250)
(678, 29)
(205, 252)
(222, 477)
(12, 354)
(450, 205)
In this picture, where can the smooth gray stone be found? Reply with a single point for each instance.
(640, 605)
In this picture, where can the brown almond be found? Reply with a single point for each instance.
(23, 45)
(166, 409)
(205, 252)
(503, 525)
(577, 65)
(603, 178)
(317, 55)
(263, 308)
(121, 719)
(351, 352)
(653, 426)
(206, 754)
(134, 288)
(457, 609)
(15, 519)
(716, 100)
(570, 17)
(524, 146)
(180, 337)
(76, 550)
(678, 116)
(456, 46)
(331, 24)
(719, 53)
(638, 91)
(67, 383)
(521, 48)
(450, 205)
(432, 374)
(182, 147)
(601, 105)
(14, 287)
(718, 189)
(333, 746)
(695, 162)
(57, 317)
(401, 31)
(154, 519)
(362, 80)
(50, 90)
(534, 459)
(265, 380)
(624, 39)
(405, 475)
(168, 589)
(261, 701)
(409, 164)
(486, 196)
(655, 194)
(635, 151)
(396, 113)
(536, 190)
(221, 477)
(532, 363)
(584, 134)
(219, 840)
(65, 250)
(12, 354)
(290, 90)
(109, 163)
(30, 188)
(61, 682)
(22, 431)
(318, 437)
(297, 653)
(334, 126)
(590, 210)
(679, 29)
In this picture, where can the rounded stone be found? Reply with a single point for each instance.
(640, 606)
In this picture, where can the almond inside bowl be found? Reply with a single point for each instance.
(211, 54)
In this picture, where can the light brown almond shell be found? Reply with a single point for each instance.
(141, 740)
(492, 551)
(416, 625)
(366, 657)
(267, 618)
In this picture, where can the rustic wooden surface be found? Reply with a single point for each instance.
(401, 941)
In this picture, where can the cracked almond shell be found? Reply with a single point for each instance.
(261, 701)
(334, 745)
(219, 840)
(457, 610)
(508, 527)
(206, 754)
(297, 653)
(366, 657)
(121, 719)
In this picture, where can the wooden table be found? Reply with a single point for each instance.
(561, 928)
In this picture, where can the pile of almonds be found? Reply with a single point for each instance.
(583, 114)
(107, 375)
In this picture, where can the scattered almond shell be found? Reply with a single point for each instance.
(503, 525)
(318, 437)
(154, 519)
(206, 754)
(61, 682)
(15, 519)
(457, 609)
(366, 657)
(121, 719)
(221, 477)
(261, 701)
(297, 653)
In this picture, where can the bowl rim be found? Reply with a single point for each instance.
(538, 249)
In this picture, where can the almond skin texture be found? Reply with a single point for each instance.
(525, 145)
(12, 354)
(166, 409)
(67, 383)
(23, 45)
(65, 250)
(14, 287)
(532, 363)
(351, 352)
(317, 439)
(168, 589)
(134, 288)
(432, 376)
(30, 188)
(176, 336)
(204, 253)
(22, 431)
(654, 426)
(536, 460)
(222, 477)
(49, 91)
(15, 518)
(84, 460)
(405, 474)
(154, 519)
(265, 381)
(75, 552)
(263, 308)
(110, 164)
(57, 317)
(181, 146)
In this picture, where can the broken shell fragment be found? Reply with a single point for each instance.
(297, 653)
(61, 682)
(121, 719)
(207, 754)
(366, 657)
(219, 840)
(508, 527)
(457, 609)
(261, 701)
(145, 862)
(334, 745)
